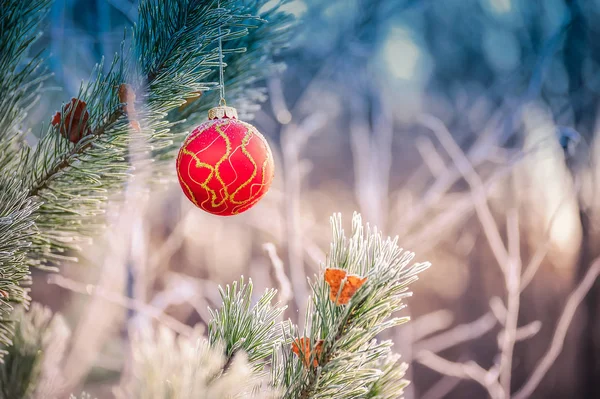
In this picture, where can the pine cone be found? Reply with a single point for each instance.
(75, 124)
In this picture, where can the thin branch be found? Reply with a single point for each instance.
(371, 144)
(457, 335)
(43, 182)
(466, 169)
(513, 284)
(432, 159)
(534, 264)
(430, 234)
(525, 332)
(173, 242)
(465, 371)
(542, 250)
(498, 309)
(278, 104)
(285, 287)
(293, 140)
(138, 306)
(314, 253)
(499, 125)
(430, 323)
(441, 388)
(180, 290)
(560, 333)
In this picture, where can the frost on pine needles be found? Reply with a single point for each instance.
(166, 366)
(336, 356)
(242, 327)
(350, 362)
(31, 367)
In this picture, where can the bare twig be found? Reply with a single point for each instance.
(432, 232)
(278, 105)
(525, 332)
(512, 275)
(100, 317)
(433, 160)
(180, 290)
(457, 335)
(285, 287)
(498, 309)
(467, 371)
(177, 291)
(560, 333)
(170, 245)
(294, 138)
(371, 143)
(314, 253)
(534, 264)
(205, 293)
(542, 250)
(499, 126)
(449, 176)
(441, 388)
(466, 169)
(129, 303)
(431, 323)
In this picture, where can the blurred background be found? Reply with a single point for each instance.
(454, 124)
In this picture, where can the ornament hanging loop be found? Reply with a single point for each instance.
(222, 101)
(222, 111)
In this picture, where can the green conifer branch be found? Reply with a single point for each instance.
(239, 326)
(172, 56)
(16, 232)
(242, 73)
(30, 368)
(350, 354)
(53, 196)
(20, 80)
(164, 365)
(246, 338)
(392, 382)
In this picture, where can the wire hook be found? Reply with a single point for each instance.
(222, 101)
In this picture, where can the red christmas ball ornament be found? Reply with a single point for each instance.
(225, 166)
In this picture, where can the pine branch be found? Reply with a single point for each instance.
(72, 180)
(16, 231)
(392, 383)
(350, 355)
(20, 80)
(62, 186)
(249, 61)
(64, 163)
(244, 338)
(187, 368)
(172, 56)
(30, 368)
(238, 326)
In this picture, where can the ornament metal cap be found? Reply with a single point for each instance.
(222, 111)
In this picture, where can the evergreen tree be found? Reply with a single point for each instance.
(53, 194)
